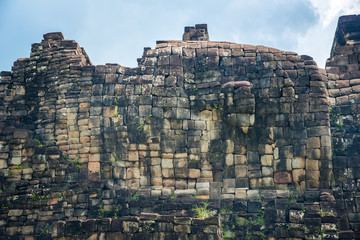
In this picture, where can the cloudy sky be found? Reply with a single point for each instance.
(116, 31)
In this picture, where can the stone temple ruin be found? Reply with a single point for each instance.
(264, 140)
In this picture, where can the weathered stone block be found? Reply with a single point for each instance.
(168, 173)
(3, 163)
(180, 155)
(267, 160)
(133, 155)
(229, 160)
(194, 173)
(267, 171)
(312, 175)
(253, 157)
(15, 212)
(206, 115)
(156, 171)
(241, 171)
(313, 142)
(296, 216)
(133, 173)
(58, 229)
(145, 110)
(94, 158)
(298, 175)
(298, 162)
(255, 183)
(167, 163)
(168, 182)
(130, 227)
(182, 228)
(312, 165)
(15, 161)
(282, 177)
(268, 182)
(240, 159)
(180, 163)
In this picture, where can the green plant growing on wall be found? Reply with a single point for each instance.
(102, 210)
(4, 207)
(116, 210)
(181, 128)
(335, 149)
(228, 234)
(116, 112)
(114, 158)
(10, 174)
(219, 155)
(194, 196)
(294, 196)
(66, 157)
(335, 117)
(255, 220)
(303, 209)
(203, 212)
(324, 213)
(143, 123)
(173, 196)
(38, 143)
(77, 163)
(134, 197)
(18, 166)
(218, 106)
(225, 210)
(36, 197)
(106, 170)
(341, 178)
(116, 100)
(257, 235)
(44, 230)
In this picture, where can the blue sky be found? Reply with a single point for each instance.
(116, 31)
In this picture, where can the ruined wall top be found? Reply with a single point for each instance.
(347, 33)
(197, 33)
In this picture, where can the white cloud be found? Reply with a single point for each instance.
(318, 39)
(329, 10)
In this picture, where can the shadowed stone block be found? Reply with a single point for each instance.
(282, 177)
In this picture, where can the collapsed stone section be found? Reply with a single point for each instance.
(197, 33)
(347, 34)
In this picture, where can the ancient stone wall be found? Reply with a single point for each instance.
(193, 114)
(343, 83)
(240, 125)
